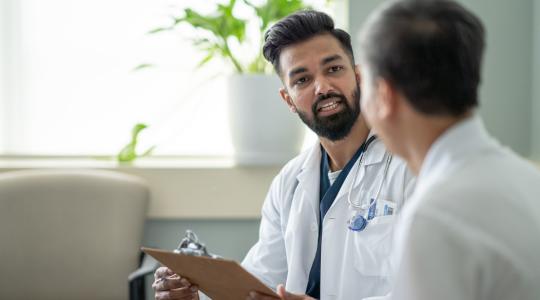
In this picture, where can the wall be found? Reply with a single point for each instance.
(506, 91)
(535, 111)
(228, 238)
(3, 80)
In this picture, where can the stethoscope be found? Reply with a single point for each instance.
(365, 211)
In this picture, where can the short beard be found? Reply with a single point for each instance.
(337, 126)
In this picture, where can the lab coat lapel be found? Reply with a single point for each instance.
(309, 178)
(302, 232)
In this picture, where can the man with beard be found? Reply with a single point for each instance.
(328, 217)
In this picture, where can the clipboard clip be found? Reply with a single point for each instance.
(190, 245)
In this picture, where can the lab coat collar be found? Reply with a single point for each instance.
(375, 152)
(374, 155)
(311, 164)
(309, 175)
(458, 142)
(308, 179)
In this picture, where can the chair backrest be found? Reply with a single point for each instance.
(69, 234)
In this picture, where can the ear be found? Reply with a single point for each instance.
(287, 98)
(357, 73)
(388, 99)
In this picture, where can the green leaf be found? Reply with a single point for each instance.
(273, 10)
(159, 29)
(148, 152)
(142, 66)
(205, 60)
(137, 130)
(222, 25)
(128, 152)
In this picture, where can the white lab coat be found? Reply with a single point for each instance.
(354, 265)
(471, 230)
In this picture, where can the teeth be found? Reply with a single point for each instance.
(328, 106)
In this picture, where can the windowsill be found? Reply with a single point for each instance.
(164, 162)
(181, 187)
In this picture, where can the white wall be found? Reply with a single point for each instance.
(506, 91)
(9, 84)
(3, 27)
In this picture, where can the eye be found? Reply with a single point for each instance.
(334, 69)
(300, 80)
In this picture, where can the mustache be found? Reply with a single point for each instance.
(327, 96)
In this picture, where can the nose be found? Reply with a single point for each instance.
(322, 86)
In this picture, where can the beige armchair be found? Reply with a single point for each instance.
(69, 234)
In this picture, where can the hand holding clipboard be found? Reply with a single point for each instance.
(216, 277)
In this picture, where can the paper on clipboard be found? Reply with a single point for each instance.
(220, 279)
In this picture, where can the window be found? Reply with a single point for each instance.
(69, 86)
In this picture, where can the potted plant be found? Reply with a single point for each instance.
(262, 128)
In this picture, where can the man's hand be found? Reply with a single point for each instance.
(283, 295)
(170, 286)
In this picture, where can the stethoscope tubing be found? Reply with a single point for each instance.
(379, 189)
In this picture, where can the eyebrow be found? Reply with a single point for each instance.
(325, 61)
(297, 71)
(330, 59)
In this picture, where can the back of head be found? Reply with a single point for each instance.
(298, 27)
(430, 50)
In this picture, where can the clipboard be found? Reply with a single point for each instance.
(218, 278)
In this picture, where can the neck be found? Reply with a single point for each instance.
(422, 135)
(340, 152)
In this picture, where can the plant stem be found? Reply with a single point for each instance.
(231, 57)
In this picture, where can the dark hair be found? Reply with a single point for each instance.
(430, 50)
(298, 27)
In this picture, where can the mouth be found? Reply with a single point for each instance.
(329, 106)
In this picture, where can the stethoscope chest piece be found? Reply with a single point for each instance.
(357, 223)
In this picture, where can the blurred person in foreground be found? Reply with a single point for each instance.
(471, 229)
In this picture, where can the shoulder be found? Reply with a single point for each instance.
(294, 167)
(281, 193)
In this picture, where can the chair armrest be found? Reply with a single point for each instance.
(137, 289)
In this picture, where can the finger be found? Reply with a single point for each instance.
(165, 295)
(184, 282)
(281, 291)
(258, 296)
(165, 284)
(284, 295)
(163, 272)
(185, 293)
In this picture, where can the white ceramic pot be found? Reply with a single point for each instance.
(263, 130)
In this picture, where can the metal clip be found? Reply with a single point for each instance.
(190, 245)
